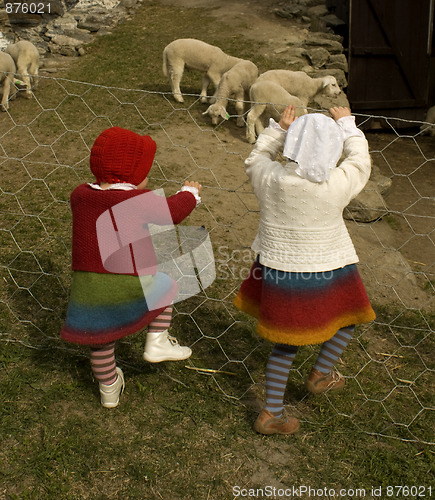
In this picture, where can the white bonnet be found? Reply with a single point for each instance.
(315, 142)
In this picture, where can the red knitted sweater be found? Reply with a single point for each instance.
(87, 204)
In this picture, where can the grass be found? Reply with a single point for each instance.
(173, 436)
(176, 435)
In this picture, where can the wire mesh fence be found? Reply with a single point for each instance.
(44, 150)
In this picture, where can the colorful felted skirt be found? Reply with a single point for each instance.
(107, 307)
(303, 308)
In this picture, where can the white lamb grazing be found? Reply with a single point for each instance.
(270, 101)
(7, 75)
(234, 83)
(26, 57)
(197, 55)
(430, 118)
(301, 85)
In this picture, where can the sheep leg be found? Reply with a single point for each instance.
(6, 89)
(259, 126)
(34, 71)
(239, 105)
(22, 73)
(176, 71)
(214, 78)
(212, 99)
(239, 111)
(205, 84)
(252, 120)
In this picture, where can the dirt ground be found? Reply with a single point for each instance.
(397, 252)
(257, 15)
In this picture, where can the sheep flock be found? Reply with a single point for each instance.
(234, 79)
(19, 69)
(238, 79)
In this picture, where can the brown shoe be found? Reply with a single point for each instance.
(267, 424)
(318, 382)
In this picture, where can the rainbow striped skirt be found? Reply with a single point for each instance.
(303, 308)
(106, 307)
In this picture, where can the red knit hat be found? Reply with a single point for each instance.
(120, 155)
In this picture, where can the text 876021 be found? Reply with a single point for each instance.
(27, 8)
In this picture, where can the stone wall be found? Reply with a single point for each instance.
(63, 27)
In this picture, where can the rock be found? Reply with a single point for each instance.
(93, 22)
(311, 3)
(387, 275)
(67, 24)
(294, 39)
(296, 51)
(104, 31)
(338, 61)
(332, 43)
(325, 102)
(318, 56)
(368, 206)
(332, 21)
(127, 4)
(289, 11)
(296, 63)
(57, 8)
(318, 11)
(65, 45)
(24, 19)
(61, 26)
(382, 182)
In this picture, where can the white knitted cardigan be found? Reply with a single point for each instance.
(301, 222)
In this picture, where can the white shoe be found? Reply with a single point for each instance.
(110, 393)
(160, 346)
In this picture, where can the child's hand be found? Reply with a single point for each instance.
(287, 117)
(339, 112)
(194, 184)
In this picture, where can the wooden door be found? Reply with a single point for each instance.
(389, 56)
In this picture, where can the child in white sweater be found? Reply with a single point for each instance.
(304, 287)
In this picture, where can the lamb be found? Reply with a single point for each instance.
(26, 57)
(270, 101)
(425, 128)
(7, 75)
(234, 83)
(197, 55)
(301, 85)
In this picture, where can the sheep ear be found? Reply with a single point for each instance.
(329, 80)
(206, 111)
(224, 113)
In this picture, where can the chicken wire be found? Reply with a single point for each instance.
(44, 152)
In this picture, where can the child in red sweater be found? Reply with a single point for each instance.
(116, 289)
